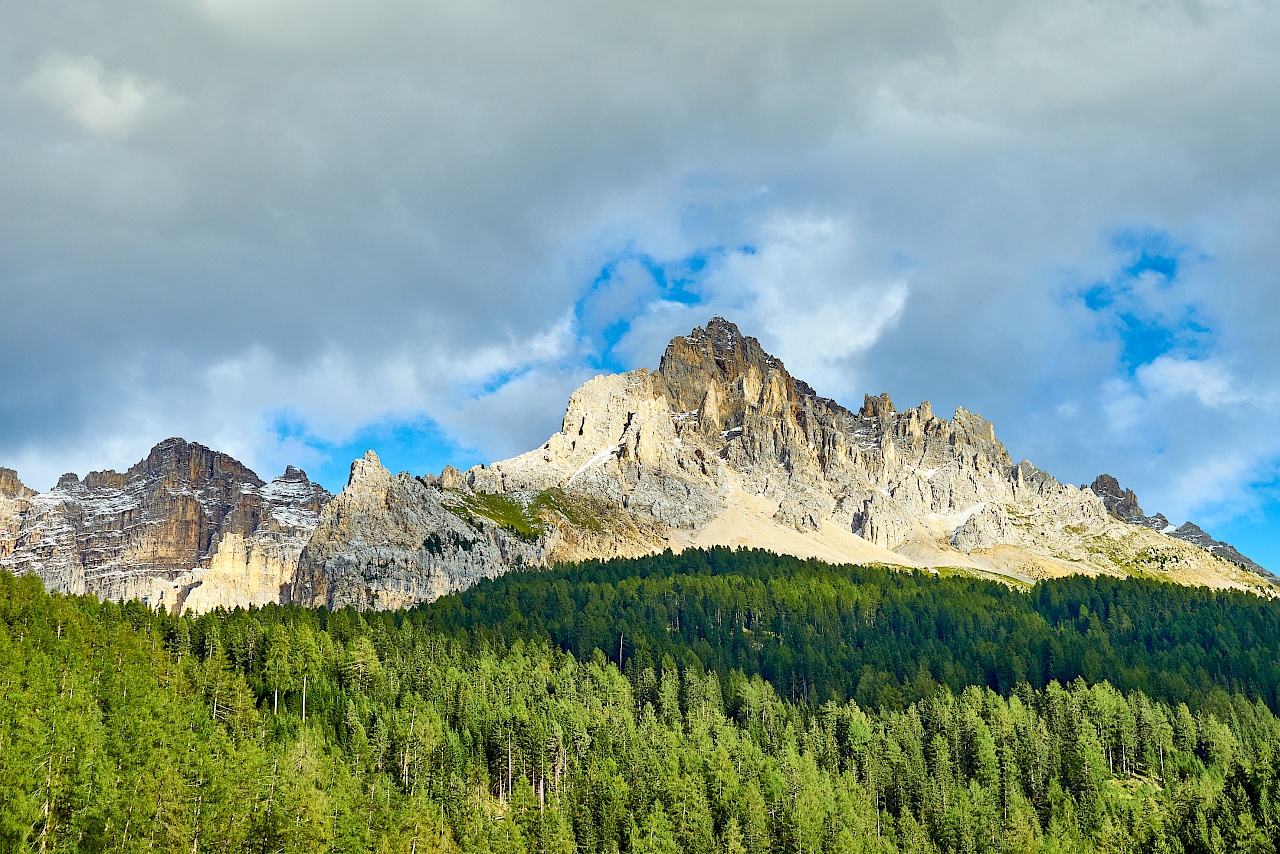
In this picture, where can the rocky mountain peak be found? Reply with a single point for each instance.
(723, 335)
(293, 488)
(717, 379)
(719, 446)
(178, 461)
(878, 406)
(368, 473)
(185, 527)
(11, 487)
(1194, 534)
(723, 445)
(718, 355)
(1123, 503)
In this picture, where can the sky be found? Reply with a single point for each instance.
(293, 230)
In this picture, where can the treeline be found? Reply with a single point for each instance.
(884, 638)
(126, 730)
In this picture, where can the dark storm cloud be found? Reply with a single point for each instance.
(222, 215)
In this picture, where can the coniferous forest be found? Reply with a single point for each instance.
(764, 704)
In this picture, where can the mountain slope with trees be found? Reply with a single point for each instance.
(283, 729)
(819, 632)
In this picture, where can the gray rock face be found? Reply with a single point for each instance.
(691, 453)
(1192, 533)
(387, 541)
(720, 445)
(186, 527)
(895, 478)
(1124, 504)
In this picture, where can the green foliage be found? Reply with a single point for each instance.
(886, 638)
(527, 516)
(123, 729)
(516, 516)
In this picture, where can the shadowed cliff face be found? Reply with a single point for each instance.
(388, 541)
(156, 531)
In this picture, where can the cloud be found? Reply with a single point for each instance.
(292, 25)
(807, 292)
(419, 213)
(108, 105)
(267, 411)
(1208, 381)
(801, 284)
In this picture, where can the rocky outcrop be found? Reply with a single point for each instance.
(11, 487)
(387, 541)
(721, 414)
(186, 527)
(1124, 504)
(721, 445)
(1192, 533)
(620, 443)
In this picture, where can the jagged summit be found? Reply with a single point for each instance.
(11, 486)
(721, 355)
(186, 526)
(1123, 503)
(720, 445)
(178, 460)
(172, 463)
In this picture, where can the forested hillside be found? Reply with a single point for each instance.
(883, 637)
(282, 729)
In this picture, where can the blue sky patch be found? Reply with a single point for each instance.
(501, 378)
(1253, 534)
(673, 281)
(1149, 251)
(417, 446)
(1138, 306)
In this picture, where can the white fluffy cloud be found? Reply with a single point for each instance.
(802, 285)
(806, 292)
(405, 210)
(106, 104)
(1209, 382)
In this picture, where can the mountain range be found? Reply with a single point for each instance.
(719, 446)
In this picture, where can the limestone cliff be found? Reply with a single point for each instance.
(186, 527)
(11, 487)
(1124, 504)
(719, 446)
(388, 541)
(722, 446)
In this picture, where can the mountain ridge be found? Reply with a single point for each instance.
(1123, 503)
(720, 446)
(186, 527)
